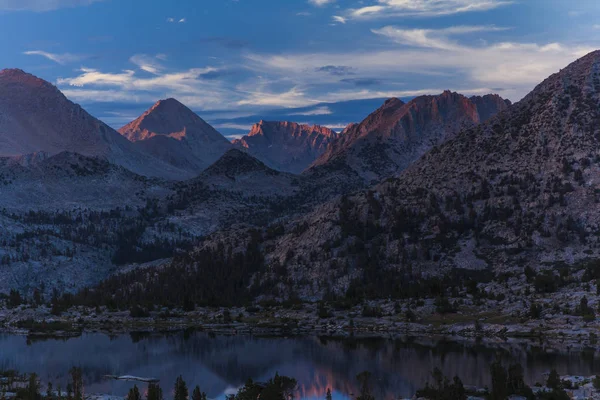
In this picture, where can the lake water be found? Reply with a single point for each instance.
(221, 364)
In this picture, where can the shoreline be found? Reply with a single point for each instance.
(40, 323)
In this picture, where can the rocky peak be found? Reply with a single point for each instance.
(489, 105)
(172, 132)
(398, 133)
(286, 146)
(272, 129)
(236, 162)
(170, 118)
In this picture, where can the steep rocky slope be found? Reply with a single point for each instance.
(36, 117)
(67, 181)
(286, 146)
(520, 190)
(175, 134)
(398, 133)
(236, 189)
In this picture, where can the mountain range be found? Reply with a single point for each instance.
(517, 191)
(78, 194)
(398, 133)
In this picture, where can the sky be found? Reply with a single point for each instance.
(330, 62)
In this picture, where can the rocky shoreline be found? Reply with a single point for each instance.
(304, 320)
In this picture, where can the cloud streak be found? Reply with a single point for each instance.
(423, 8)
(320, 3)
(62, 59)
(432, 38)
(42, 5)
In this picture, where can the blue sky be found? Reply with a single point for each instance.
(236, 61)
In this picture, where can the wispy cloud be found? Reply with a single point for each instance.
(59, 58)
(339, 19)
(423, 8)
(316, 111)
(431, 38)
(189, 86)
(337, 70)
(517, 67)
(148, 63)
(320, 3)
(233, 125)
(42, 5)
(294, 97)
(172, 20)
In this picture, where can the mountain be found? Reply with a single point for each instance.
(286, 146)
(36, 117)
(398, 133)
(519, 191)
(67, 181)
(236, 189)
(175, 134)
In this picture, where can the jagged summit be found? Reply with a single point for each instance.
(175, 134)
(286, 146)
(278, 129)
(398, 133)
(171, 118)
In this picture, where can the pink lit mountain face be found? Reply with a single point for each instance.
(286, 146)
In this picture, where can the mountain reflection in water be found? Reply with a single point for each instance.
(221, 364)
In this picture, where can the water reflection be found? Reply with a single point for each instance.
(220, 364)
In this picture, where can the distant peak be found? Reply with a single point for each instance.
(393, 101)
(13, 71)
(236, 162)
(170, 105)
(18, 76)
(288, 128)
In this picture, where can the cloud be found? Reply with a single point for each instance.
(106, 96)
(64, 58)
(148, 63)
(188, 86)
(232, 125)
(172, 20)
(517, 67)
(432, 38)
(294, 97)
(424, 8)
(321, 3)
(317, 111)
(362, 81)
(338, 70)
(339, 19)
(597, 26)
(42, 5)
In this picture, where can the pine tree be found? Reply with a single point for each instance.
(499, 382)
(154, 392)
(198, 395)
(181, 390)
(134, 393)
(553, 380)
(33, 388)
(328, 395)
(364, 378)
(77, 381)
(49, 395)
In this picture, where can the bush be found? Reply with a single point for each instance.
(369, 311)
(138, 312)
